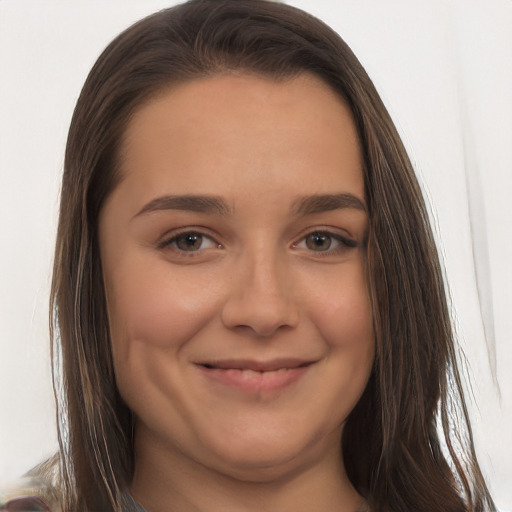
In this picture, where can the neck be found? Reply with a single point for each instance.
(165, 481)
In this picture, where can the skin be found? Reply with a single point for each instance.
(259, 286)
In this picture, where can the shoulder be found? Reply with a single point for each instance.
(37, 491)
(25, 504)
(28, 495)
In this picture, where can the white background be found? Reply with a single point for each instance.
(444, 70)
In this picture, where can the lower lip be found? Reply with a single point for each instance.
(255, 382)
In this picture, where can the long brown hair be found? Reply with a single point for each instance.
(395, 454)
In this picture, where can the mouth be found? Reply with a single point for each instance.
(255, 376)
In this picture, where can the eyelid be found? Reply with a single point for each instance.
(346, 241)
(170, 236)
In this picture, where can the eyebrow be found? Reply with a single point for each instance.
(307, 205)
(310, 205)
(201, 204)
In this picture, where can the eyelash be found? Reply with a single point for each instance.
(344, 243)
(168, 242)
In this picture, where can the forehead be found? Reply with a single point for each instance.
(243, 127)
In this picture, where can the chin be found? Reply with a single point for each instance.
(267, 457)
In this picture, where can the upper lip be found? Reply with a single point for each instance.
(257, 366)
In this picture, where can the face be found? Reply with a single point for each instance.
(232, 253)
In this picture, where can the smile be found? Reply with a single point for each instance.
(256, 377)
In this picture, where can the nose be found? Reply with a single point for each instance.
(261, 298)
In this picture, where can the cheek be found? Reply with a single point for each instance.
(154, 311)
(339, 308)
(342, 312)
(156, 306)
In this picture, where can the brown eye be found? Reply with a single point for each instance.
(189, 241)
(325, 243)
(318, 242)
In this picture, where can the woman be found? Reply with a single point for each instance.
(273, 320)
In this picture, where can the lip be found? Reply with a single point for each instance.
(255, 376)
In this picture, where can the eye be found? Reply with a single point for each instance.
(190, 241)
(325, 242)
(319, 241)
